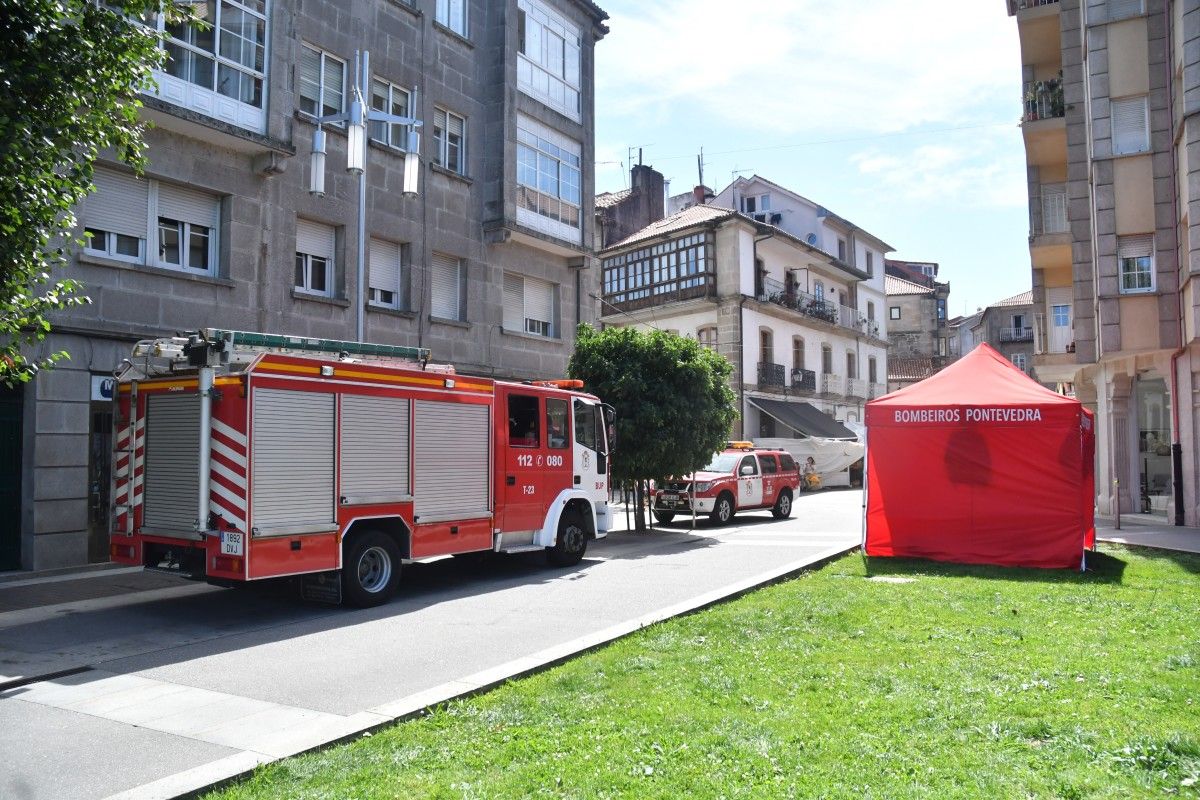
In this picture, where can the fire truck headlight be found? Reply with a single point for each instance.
(703, 487)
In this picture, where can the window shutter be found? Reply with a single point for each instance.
(539, 301)
(310, 79)
(1135, 247)
(1129, 126)
(514, 303)
(1119, 9)
(314, 239)
(445, 279)
(187, 205)
(385, 266)
(118, 205)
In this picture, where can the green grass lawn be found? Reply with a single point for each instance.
(881, 679)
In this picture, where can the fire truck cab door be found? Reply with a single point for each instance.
(590, 451)
(530, 464)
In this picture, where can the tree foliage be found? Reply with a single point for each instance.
(672, 398)
(70, 76)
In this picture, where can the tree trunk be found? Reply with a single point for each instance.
(640, 517)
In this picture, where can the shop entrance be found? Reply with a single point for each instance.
(1154, 445)
(10, 478)
(99, 474)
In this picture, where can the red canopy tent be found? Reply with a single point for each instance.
(979, 464)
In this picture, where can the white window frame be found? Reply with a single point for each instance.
(518, 290)
(441, 143)
(308, 263)
(390, 134)
(323, 58)
(1019, 361)
(544, 173)
(893, 312)
(452, 14)
(103, 242)
(708, 336)
(550, 74)
(1066, 315)
(1130, 123)
(381, 249)
(1136, 252)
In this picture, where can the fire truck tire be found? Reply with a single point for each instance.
(664, 516)
(723, 509)
(371, 571)
(571, 542)
(783, 505)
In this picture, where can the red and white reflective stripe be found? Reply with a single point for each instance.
(128, 462)
(227, 485)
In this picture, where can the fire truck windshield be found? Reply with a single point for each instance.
(723, 462)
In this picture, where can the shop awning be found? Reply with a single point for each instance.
(803, 417)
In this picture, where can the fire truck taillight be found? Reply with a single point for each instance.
(227, 564)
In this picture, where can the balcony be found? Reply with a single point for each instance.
(804, 380)
(1016, 335)
(876, 390)
(856, 387)
(771, 375)
(1044, 100)
(833, 384)
(775, 292)
(1023, 5)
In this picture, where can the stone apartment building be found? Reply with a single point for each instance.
(1111, 94)
(919, 335)
(800, 325)
(488, 265)
(1007, 325)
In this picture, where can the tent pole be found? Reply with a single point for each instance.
(866, 454)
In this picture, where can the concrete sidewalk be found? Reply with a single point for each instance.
(1145, 530)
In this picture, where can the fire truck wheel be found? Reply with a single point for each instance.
(723, 509)
(664, 516)
(371, 570)
(783, 505)
(571, 542)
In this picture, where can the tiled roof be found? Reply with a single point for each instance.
(612, 198)
(689, 217)
(910, 369)
(1022, 299)
(893, 285)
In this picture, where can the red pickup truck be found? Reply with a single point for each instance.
(740, 478)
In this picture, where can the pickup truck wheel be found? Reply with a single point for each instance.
(571, 542)
(783, 505)
(371, 570)
(723, 509)
(664, 516)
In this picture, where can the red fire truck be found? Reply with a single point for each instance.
(242, 456)
(740, 478)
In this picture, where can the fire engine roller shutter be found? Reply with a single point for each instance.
(293, 452)
(374, 448)
(172, 475)
(451, 454)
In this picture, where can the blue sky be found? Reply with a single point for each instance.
(899, 115)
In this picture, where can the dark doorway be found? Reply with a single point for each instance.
(99, 475)
(10, 478)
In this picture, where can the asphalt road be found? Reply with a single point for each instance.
(175, 685)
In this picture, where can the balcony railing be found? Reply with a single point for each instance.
(771, 374)
(1044, 100)
(876, 390)
(833, 384)
(856, 387)
(1016, 334)
(804, 380)
(770, 290)
(1020, 5)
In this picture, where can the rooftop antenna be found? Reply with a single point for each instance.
(700, 165)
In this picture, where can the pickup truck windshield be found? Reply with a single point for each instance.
(723, 462)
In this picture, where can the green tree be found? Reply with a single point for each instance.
(71, 72)
(672, 399)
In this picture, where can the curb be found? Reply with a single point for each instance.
(224, 772)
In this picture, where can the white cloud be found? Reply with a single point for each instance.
(809, 66)
(978, 173)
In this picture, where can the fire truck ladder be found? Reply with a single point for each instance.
(283, 343)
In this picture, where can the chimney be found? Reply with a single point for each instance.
(698, 195)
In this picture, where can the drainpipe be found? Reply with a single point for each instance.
(1176, 445)
(206, 396)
